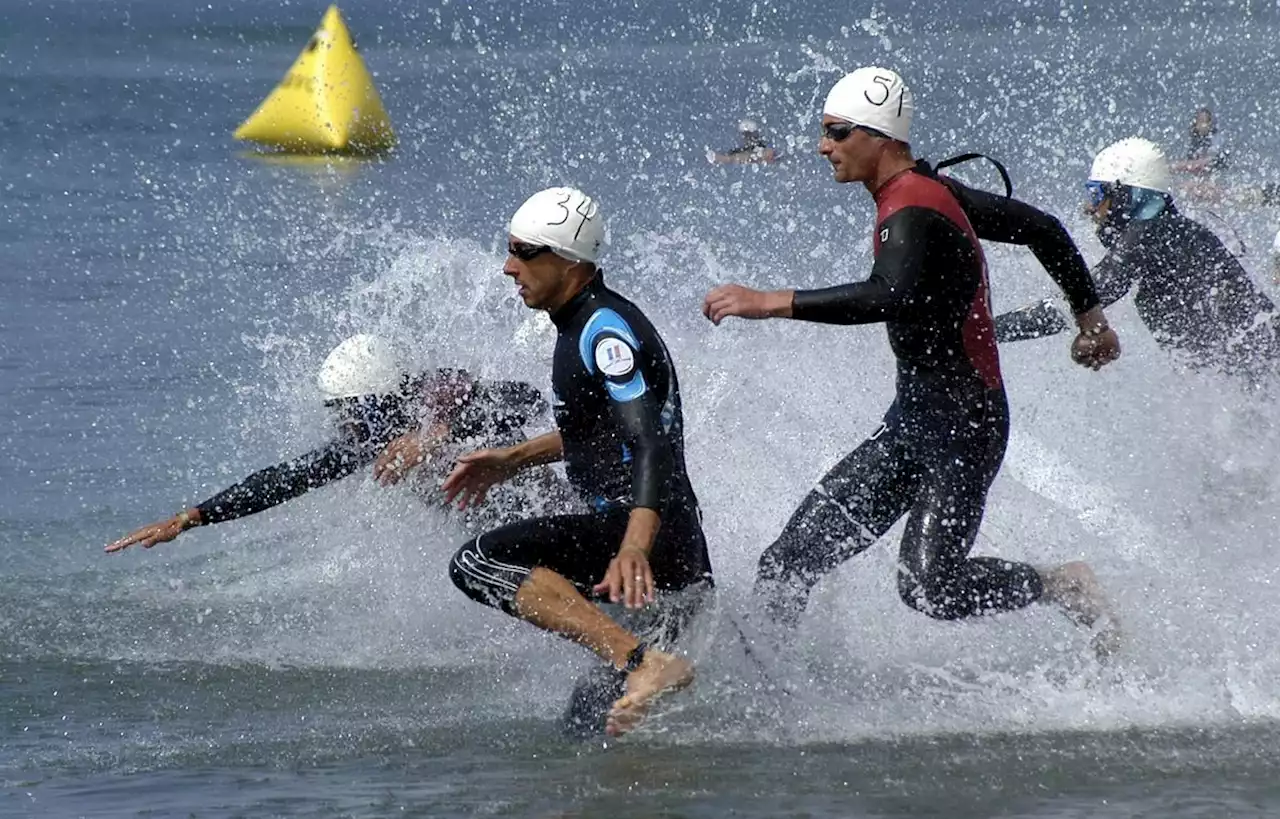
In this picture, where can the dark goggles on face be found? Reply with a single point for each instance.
(526, 252)
(840, 131)
(1098, 191)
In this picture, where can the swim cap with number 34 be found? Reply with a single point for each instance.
(565, 220)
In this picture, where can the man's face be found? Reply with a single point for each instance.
(1202, 125)
(538, 272)
(1098, 212)
(1099, 203)
(851, 151)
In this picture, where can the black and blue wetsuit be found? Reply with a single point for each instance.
(942, 440)
(617, 405)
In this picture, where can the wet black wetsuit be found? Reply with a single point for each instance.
(943, 438)
(479, 413)
(617, 404)
(1010, 221)
(1192, 294)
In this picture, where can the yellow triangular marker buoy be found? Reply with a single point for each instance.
(326, 103)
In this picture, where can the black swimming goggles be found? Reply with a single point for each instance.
(840, 131)
(526, 252)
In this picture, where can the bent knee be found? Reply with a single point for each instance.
(485, 580)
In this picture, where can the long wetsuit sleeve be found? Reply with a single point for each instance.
(651, 461)
(1034, 321)
(1010, 221)
(634, 405)
(521, 402)
(1115, 275)
(890, 289)
(276, 484)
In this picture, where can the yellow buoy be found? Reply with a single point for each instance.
(326, 103)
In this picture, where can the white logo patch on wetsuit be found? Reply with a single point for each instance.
(614, 358)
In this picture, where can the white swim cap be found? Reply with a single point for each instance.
(361, 365)
(565, 220)
(749, 126)
(874, 98)
(1135, 162)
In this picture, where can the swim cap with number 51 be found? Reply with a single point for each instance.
(875, 98)
(565, 220)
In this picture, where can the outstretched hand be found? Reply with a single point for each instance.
(475, 474)
(151, 534)
(736, 300)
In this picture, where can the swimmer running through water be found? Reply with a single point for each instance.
(943, 438)
(620, 433)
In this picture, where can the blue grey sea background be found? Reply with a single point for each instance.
(166, 298)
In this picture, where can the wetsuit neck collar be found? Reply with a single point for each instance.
(881, 192)
(561, 318)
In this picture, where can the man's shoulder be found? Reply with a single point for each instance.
(918, 192)
(612, 307)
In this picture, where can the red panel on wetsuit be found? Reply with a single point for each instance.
(912, 190)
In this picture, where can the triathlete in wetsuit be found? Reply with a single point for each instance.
(620, 433)
(942, 440)
(1203, 156)
(378, 409)
(753, 150)
(1192, 294)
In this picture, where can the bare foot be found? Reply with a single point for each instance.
(659, 674)
(1075, 588)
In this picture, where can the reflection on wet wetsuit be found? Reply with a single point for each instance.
(942, 440)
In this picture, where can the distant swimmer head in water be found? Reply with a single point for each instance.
(867, 116)
(1129, 181)
(1203, 125)
(749, 130)
(752, 148)
(554, 239)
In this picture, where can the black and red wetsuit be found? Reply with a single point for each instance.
(942, 440)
